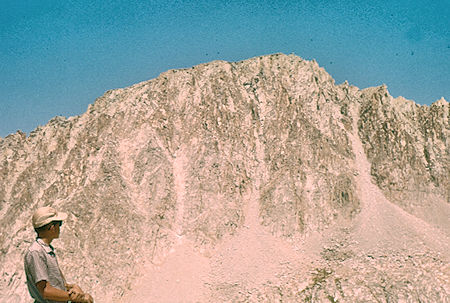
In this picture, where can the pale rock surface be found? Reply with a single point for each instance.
(254, 181)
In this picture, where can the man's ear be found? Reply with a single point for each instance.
(52, 228)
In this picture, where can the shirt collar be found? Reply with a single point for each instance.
(48, 248)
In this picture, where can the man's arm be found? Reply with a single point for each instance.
(51, 293)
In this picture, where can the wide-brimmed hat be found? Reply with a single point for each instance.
(45, 215)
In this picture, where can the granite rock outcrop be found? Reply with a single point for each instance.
(224, 160)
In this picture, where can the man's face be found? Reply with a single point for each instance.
(56, 228)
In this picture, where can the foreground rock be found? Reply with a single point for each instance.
(252, 181)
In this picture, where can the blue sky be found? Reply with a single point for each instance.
(56, 57)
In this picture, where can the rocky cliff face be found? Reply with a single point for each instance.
(274, 181)
(408, 146)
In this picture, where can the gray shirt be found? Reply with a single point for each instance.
(41, 265)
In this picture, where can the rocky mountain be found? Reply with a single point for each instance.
(252, 181)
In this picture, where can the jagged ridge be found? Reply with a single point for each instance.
(184, 156)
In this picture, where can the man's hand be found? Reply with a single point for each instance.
(88, 298)
(74, 287)
(81, 297)
(76, 296)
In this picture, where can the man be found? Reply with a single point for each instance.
(45, 280)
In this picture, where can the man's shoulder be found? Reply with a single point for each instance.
(34, 248)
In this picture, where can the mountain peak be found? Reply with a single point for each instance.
(257, 180)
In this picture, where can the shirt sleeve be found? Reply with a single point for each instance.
(37, 266)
